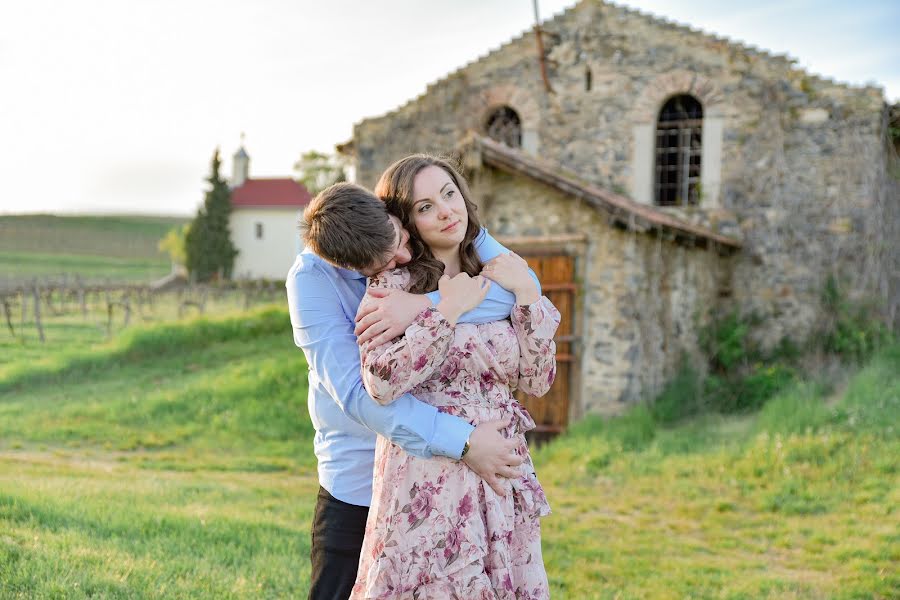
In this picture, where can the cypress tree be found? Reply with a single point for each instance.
(208, 245)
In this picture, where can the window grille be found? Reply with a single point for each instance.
(679, 136)
(505, 126)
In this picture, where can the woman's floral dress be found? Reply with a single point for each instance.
(436, 529)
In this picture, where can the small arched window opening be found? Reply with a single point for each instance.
(588, 79)
(679, 136)
(505, 126)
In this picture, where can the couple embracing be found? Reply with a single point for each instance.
(417, 326)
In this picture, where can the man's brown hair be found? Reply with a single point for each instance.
(348, 226)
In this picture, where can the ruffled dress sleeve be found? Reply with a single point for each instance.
(396, 367)
(535, 325)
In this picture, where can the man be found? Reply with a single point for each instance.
(349, 235)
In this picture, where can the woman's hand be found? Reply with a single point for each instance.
(460, 294)
(511, 271)
(386, 314)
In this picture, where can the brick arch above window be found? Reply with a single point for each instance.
(661, 88)
(514, 97)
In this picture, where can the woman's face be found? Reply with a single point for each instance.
(439, 211)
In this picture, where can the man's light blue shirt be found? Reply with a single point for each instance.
(323, 301)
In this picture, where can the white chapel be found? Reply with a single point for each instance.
(264, 221)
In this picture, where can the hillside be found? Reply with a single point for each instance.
(175, 461)
(115, 248)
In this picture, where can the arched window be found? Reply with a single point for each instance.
(505, 126)
(679, 136)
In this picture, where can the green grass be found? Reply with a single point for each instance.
(123, 236)
(26, 266)
(797, 501)
(95, 248)
(175, 461)
(172, 462)
(208, 385)
(71, 333)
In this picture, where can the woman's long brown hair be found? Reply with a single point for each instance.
(395, 188)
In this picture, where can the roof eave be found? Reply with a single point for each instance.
(620, 211)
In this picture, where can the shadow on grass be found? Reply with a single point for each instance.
(127, 552)
(133, 532)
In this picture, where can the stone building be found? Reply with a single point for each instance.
(677, 172)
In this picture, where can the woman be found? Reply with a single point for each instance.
(435, 529)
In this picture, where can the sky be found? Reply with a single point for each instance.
(116, 106)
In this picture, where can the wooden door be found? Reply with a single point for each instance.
(556, 273)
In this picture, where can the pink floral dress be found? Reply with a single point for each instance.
(435, 529)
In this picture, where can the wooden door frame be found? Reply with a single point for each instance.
(577, 246)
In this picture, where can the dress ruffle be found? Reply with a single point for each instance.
(436, 530)
(490, 535)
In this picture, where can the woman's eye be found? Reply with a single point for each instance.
(424, 207)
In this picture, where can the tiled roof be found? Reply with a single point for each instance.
(620, 211)
(270, 192)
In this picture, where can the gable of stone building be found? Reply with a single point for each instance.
(793, 160)
(636, 62)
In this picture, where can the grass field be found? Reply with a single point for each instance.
(71, 333)
(175, 461)
(26, 266)
(99, 248)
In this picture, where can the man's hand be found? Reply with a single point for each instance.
(492, 456)
(387, 314)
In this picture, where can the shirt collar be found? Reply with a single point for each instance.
(344, 273)
(348, 274)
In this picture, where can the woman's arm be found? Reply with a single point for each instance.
(390, 314)
(500, 299)
(535, 324)
(392, 369)
(324, 331)
(534, 319)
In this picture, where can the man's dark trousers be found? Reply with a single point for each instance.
(337, 535)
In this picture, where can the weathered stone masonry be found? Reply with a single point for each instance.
(795, 165)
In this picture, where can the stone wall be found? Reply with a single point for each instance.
(800, 162)
(808, 207)
(641, 299)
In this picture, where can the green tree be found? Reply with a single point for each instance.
(208, 247)
(173, 244)
(317, 170)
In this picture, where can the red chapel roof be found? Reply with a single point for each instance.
(270, 192)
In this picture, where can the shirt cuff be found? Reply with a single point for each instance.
(450, 436)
